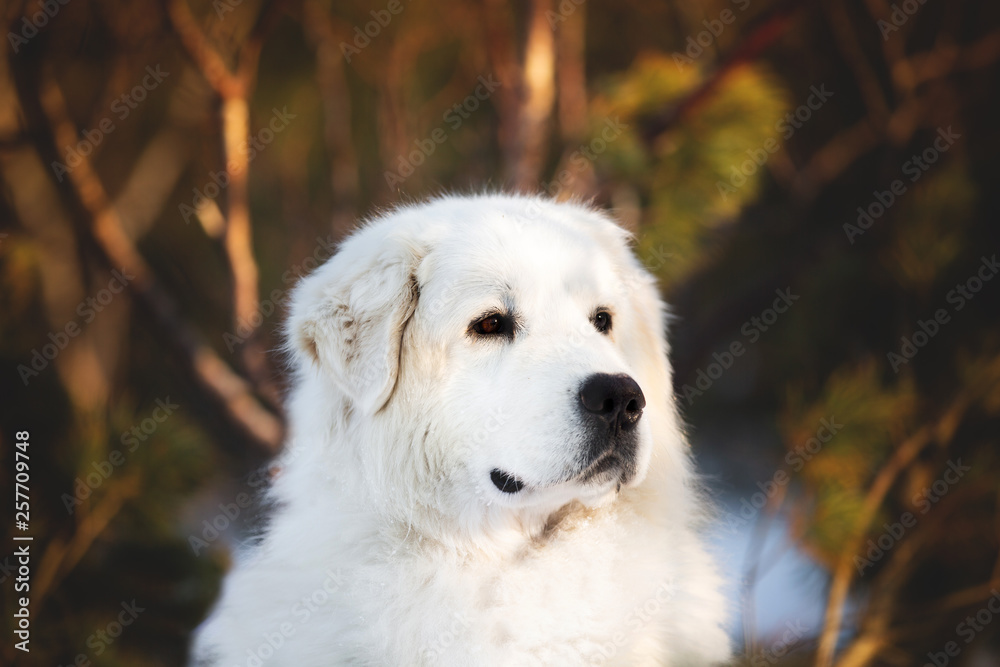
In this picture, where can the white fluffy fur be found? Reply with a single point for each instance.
(389, 545)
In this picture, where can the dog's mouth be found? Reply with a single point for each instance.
(604, 463)
(506, 482)
(609, 465)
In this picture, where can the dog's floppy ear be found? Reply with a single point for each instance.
(348, 316)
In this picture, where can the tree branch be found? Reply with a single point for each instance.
(767, 31)
(105, 230)
(941, 429)
(235, 90)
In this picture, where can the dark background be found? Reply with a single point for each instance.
(153, 409)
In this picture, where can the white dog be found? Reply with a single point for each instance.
(485, 465)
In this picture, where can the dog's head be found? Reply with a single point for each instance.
(488, 355)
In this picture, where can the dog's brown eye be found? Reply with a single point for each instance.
(602, 321)
(493, 325)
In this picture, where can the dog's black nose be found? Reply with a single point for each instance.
(615, 400)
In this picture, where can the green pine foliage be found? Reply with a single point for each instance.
(696, 177)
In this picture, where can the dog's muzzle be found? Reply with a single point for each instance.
(611, 407)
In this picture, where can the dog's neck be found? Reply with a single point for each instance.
(510, 535)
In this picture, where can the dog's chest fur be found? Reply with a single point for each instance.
(592, 591)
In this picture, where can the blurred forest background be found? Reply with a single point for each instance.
(811, 182)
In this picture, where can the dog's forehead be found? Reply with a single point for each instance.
(518, 255)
